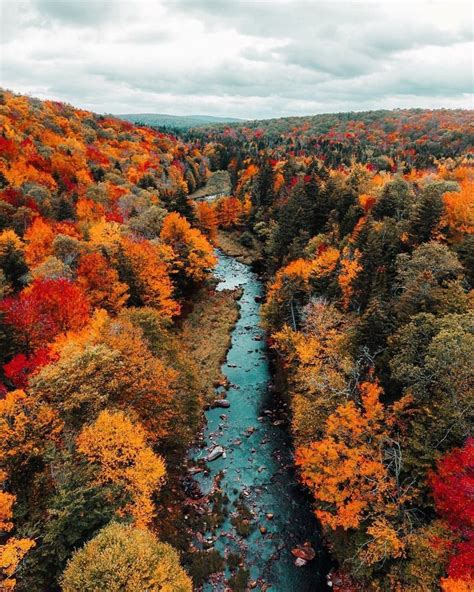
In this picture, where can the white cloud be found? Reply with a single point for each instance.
(243, 58)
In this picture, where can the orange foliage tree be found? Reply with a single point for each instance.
(119, 448)
(292, 286)
(207, 219)
(39, 242)
(229, 211)
(194, 256)
(349, 475)
(146, 269)
(13, 549)
(101, 283)
(459, 209)
(350, 268)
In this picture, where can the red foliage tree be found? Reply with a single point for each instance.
(453, 492)
(21, 367)
(453, 487)
(46, 309)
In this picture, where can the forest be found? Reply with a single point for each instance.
(366, 222)
(363, 224)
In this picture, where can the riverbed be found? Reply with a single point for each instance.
(256, 467)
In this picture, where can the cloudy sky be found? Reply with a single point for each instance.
(242, 58)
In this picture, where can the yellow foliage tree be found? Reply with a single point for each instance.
(26, 426)
(319, 367)
(14, 549)
(125, 559)
(119, 448)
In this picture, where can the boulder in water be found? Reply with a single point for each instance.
(299, 562)
(222, 403)
(305, 552)
(216, 452)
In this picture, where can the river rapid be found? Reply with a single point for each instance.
(256, 468)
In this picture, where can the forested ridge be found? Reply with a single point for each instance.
(366, 222)
(384, 140)
(100, 398)
(365, 225)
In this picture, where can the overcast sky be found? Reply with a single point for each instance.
(248, 59)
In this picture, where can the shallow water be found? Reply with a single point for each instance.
(257, 466)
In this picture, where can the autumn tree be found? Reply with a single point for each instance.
(45, 309)
(346, 470)
(229, 211)
(39, 240)
(287, 294)
(318, 367)
(207, 220)
(145, 267)
(27, 426)
(101, 283)
(350, 267)
(452, 485)
(355, 476)
(119, 449)
(13, 549)
(19, 369)
(194, 256)
(112, 369)
(293, 285)
(458, 214)
(123, 558)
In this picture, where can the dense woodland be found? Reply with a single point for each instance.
(98, 395)
(366, 226)
(367, 223)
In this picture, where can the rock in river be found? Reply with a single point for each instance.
(224, 403)
(300, 562)
(305, 552)
(216, 452)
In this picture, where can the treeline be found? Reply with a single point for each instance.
(370, 314)
(402, 140)
(98, 398)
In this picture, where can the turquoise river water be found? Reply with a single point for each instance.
(257, 464)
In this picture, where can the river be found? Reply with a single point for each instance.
(257, 464)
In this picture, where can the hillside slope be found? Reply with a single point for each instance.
(99, 397)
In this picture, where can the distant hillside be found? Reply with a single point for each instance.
(384, 140)
(176, 121)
